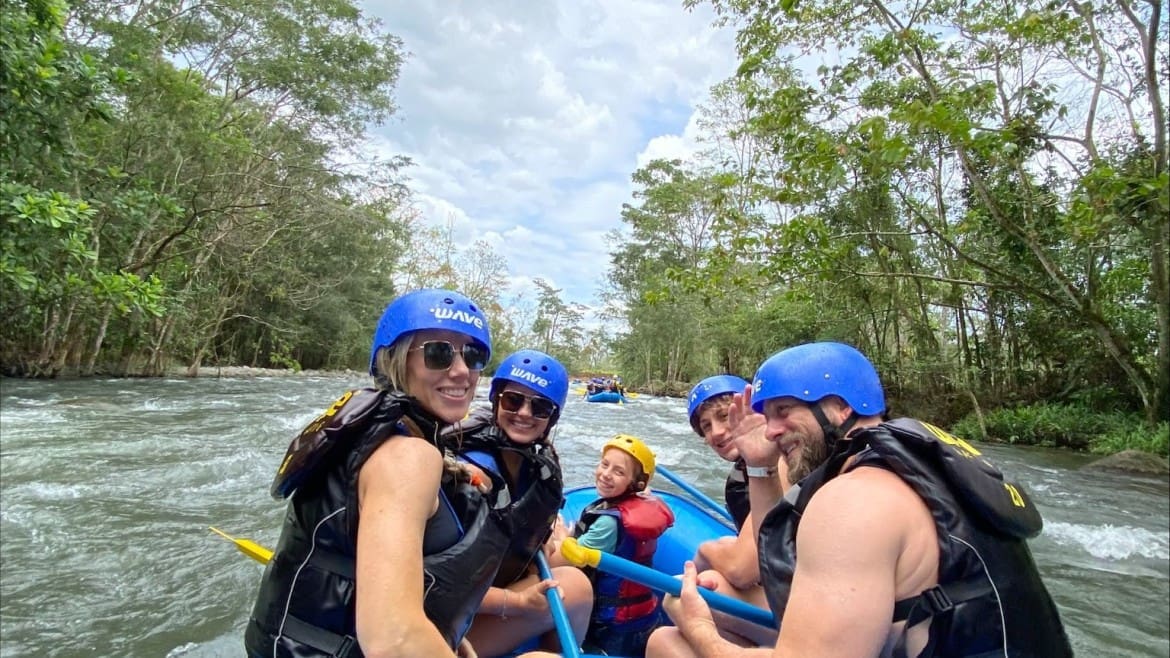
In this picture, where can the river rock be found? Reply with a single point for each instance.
(1132, 461)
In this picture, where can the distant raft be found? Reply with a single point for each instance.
(612, 397)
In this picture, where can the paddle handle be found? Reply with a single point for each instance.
(656, 580)
(569, 648)
(695, 493)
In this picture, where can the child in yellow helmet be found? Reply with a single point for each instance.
(626, 521)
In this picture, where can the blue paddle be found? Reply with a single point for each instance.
(581, 556)
(695, 493)
(560, 617)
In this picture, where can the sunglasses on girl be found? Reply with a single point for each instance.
(542, 407)
(440, 354)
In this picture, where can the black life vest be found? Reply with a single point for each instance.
(531, 513)
(735, 494)
(306, 606)
(990, 600)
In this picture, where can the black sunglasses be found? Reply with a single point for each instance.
(513, 402)
(440, 354)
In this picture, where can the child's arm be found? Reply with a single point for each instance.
(602, 535)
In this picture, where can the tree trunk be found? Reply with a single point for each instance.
(88, 368)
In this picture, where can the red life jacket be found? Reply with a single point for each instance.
(642, 520)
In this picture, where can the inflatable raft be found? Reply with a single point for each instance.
(606, 396)
(693, 525)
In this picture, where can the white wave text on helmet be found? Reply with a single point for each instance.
(444, 313)
(520, 373)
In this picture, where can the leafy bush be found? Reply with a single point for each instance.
(1135, 437)
(1068, 426)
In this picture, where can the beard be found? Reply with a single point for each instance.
(813, 452)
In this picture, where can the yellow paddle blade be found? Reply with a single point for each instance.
(578, 555)
(246, 546)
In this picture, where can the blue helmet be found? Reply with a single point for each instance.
(431, 308)
(709, 388)
(814, 371)
(536, 370)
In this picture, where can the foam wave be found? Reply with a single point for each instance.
(45, 492)
(1110, 542)
(674, 428)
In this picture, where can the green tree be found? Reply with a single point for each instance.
(50, 270)
(987, 157)
(557, 328)
(199, 211)
(434, 259)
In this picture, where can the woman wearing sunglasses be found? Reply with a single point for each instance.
(511, 440)
(387, 549)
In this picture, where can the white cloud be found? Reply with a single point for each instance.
(670, 147)
(525, 120)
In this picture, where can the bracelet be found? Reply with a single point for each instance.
(761, 471)
(504, 607)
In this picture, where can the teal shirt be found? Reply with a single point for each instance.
(602, 535)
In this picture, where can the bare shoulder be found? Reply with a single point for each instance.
(402, 462)
(870, 504)
(402, 452)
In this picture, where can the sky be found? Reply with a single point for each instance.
(525, 120)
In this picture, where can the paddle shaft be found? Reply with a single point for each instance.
(246, 546)
(695, 493)
(673, 586)
(556, 606)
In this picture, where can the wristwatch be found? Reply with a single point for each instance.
(760, 471)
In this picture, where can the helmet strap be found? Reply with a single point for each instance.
(833, 433)
(423, 425)
(552, 425)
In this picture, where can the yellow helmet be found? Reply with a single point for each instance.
(634, 447)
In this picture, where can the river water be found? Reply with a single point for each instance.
(107, 488)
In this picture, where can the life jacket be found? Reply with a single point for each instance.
(990, 600)
(735, 494)
(642, 518)
(306, 606)
(531, 512)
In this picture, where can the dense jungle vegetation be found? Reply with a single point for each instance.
(976, 195)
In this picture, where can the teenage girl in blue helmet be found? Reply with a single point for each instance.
(898, 540)
(386, 548)
(511, 439)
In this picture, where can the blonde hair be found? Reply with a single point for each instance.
(390, 365)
